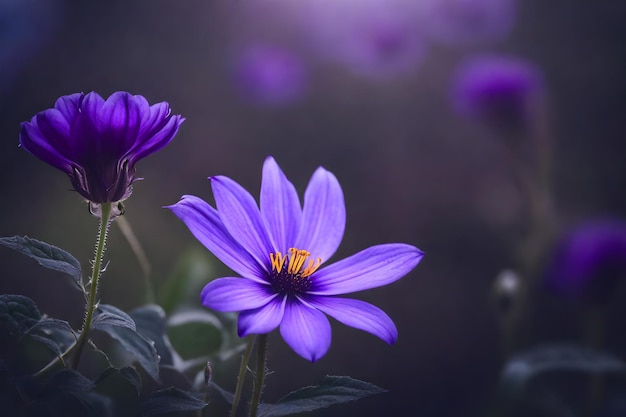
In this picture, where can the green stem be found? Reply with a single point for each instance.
(261, 352)
(105, 221)
(242, 376)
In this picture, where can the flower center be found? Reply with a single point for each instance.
(289, 274)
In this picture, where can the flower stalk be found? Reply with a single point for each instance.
(105, 222)
(261, 353)
(241, 377)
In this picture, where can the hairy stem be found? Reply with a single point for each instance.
(242, 376)
(105, 221)
(261, 353)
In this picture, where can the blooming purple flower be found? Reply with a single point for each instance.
(97, 142)
(588, 260)
(498, 90)
(267, 74)
(279, 250)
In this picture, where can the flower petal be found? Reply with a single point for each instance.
(324, 216)
(205, 224)
(306, 330)
(235, 294)
(373, 267)
(68, 106)
(358, 314)
(33, 141)
(280, 206)
(240, 214)
(119, 120)
(262, 320)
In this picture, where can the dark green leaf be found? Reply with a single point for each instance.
(67, 381)
(186, 281)
(49, 324)
(150, 321)
(554, 358)
(17, 314)
(108, 315)
(46, 255)
(137, 346)
(170, 400)
(332, 390)
(227, 396)
(195, 333)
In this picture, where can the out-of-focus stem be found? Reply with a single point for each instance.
(242, 376)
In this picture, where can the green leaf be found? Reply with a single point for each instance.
(170, 400)
(332, 390)
(138, 347)
(195, 333)
(46, 255)
(17, 314)
(191, 273)
(108, 315)
(150, 321)
(556, 358)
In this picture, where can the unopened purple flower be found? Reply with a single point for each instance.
(497, 90)
(97, 143)
(268, 74)
(278, 250)
(467, 21)
(589, 259)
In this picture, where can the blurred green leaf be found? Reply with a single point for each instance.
(332, 390)
(46, 255)
(522, 368)
(170, 400)
(17, 314)
(150, 321)
(108, 315)
(191, 273)
(138, 347)
(195, 333)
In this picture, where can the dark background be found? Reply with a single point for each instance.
(411, 171)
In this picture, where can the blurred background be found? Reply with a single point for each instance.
(478, 130)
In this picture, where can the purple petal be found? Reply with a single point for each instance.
(324, 216)
(157, 138)
(32, 140)
(280, 206)
(306, 330)
(262, 320)
(68, 105)
(205, 224)
(373, 267)
(119, 120)
(240, 214)
(235, 294)
(358, 314)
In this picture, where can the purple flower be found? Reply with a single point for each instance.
(270, 75)
(497, 90)
(279, 250)
(98, 142)
(467, 21)
(588, 260)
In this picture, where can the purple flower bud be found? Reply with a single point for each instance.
(497, 90)
(589, 260)
(267, 74)
(97, 143)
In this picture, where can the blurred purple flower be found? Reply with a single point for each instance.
(497, 90)
(270, 75)
(375, 39)
(271, 249)
(467, 21)
(588, 261)
(98, 142)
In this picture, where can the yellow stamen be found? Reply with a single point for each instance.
(311, 268)
(297, 260)
(278, 261)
